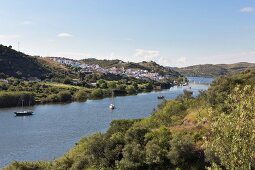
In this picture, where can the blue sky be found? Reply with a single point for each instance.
(170, 32)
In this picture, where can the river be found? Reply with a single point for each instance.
(54, 128)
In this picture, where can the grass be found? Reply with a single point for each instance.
(61, 85)
(196, 117)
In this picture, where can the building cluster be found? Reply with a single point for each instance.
(94, 68)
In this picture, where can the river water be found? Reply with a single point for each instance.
(54, 128)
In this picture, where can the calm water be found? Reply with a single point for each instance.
(55, 128)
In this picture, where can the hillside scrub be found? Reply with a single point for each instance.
(232, 134)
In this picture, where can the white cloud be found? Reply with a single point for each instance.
(247, 10)
(147, 54)
(150, 55)
(64, 34)
(27, 22)
(8, 37)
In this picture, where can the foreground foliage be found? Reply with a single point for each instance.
(232, 135)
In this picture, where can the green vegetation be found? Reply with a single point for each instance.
(81, 95)
(97, 93)
(8, 99)
(232, 135)
(53, 92)
(210, 70)
(185, 133)
(103, 63)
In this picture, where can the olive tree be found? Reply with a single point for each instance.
(232, 135)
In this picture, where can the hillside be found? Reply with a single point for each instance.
(150, 66)
(52, 65)
(210, 70)
(18, 64)
(103, 63)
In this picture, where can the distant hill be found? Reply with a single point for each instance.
(210, 70)
(18, 64)
(150, 66)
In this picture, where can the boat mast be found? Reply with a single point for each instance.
(29, 100)
(22, 104)
(112, 97)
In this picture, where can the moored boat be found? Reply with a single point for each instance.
(161, 97)
(112, 106)
(24, 113)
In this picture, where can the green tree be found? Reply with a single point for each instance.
(97, 93)
(67, 80)
(65, 96)
(103, 85)
(133, 157)
(158, 146)
(130, 89)
(121, 87)
(112, 85)
(183, 152)
(232, 134)
(80, 95)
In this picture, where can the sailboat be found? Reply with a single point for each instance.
(24, 112)
(112, 106)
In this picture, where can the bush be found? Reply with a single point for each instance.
(67, 81)
(10, 99)
(81, 95)
(232, 134)
(96, 94)
(183, 152)
(52, 98)
(130, 89)
(112, 85)
(65, 96)
(28, 166)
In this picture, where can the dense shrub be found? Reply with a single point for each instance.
(130, 89)
(10, 99)
(97, 93)
(81, 95)
(232, 134)
(65, 96)
(67, 80)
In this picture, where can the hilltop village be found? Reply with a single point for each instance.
(95, 68)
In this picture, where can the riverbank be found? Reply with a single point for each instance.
(40, 134)
(50, 92)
